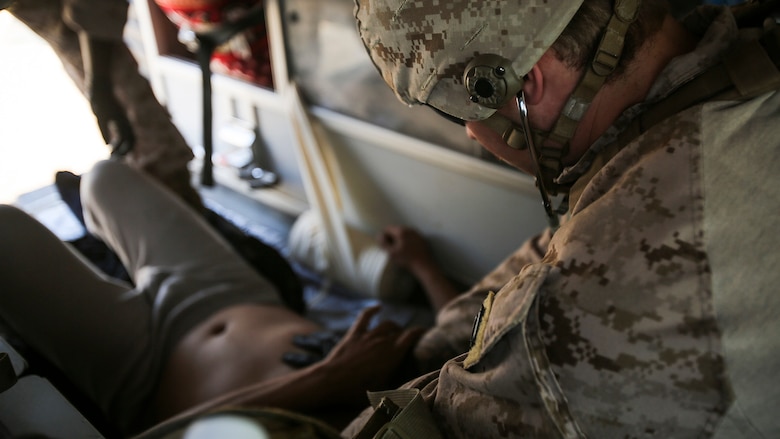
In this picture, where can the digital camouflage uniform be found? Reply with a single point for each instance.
(653, 311)
(451, 336)
(159, 147)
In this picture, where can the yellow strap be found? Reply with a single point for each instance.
(478, 333)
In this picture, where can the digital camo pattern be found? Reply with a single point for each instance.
(624, 304)
(626, 344)
(452, 334)
(627, 322)
(615, 333)
(624, 310)
(422, 47)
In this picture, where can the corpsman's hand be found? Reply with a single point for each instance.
(369, 359)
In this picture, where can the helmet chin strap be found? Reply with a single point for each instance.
(548, 160)
(604, 62)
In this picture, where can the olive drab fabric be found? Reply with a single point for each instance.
(428, 67)
(653, 311)
(399, 414)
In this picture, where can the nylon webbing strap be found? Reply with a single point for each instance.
(512, 136)
(604, 62)
(412, 420)
(762, 74)
(747, 70)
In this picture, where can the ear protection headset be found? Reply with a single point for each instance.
(491, 82)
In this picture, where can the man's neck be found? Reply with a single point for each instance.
(632, 87)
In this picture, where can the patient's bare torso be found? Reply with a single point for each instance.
(237, 346)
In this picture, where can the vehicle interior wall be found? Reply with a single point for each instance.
(395, 164)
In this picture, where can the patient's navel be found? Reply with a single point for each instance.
(218, 328)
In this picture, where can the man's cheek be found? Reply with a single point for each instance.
(493, 142)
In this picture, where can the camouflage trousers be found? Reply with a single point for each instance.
(160, 150)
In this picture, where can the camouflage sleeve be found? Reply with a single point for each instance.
(451, 335)
(103, 19)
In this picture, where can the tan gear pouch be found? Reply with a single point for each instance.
(399, 414)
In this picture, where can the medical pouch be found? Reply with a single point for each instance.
(399, 414)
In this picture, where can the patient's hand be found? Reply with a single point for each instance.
(369, 359)
(407, 248)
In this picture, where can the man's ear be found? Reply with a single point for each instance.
(533, 88)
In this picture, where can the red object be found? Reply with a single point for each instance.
(246, 55)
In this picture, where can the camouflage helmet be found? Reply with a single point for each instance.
(425, 48)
